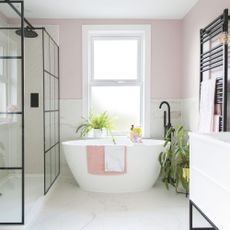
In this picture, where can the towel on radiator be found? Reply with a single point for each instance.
(207, 105)
(216, 123)
(115, 159)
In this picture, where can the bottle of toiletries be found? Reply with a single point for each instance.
(131, 132)
(135, 134)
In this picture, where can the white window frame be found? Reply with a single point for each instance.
(140, 32)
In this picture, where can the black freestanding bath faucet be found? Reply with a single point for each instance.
(168, 125)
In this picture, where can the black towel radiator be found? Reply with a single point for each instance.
(217, 57)
(214, 58)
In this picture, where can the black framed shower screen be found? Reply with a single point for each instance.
(12, 115)
(51, 105)
(13, 111)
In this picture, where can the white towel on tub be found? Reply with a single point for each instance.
(207, 105)
(115, 158)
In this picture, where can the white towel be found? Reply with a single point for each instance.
(207, 105)
(115, 159)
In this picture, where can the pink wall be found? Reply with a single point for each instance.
(201, 14)
(166, 59)
(166, 55)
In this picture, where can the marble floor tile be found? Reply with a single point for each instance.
(70, 208)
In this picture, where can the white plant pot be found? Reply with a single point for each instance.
(99, 133)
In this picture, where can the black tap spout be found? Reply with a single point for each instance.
(169, 111)
(167, 125)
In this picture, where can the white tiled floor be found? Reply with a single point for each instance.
(69, 208)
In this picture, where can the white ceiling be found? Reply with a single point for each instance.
(151, 9)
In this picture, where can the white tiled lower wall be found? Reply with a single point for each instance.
(71, 117)
(157, 129)
(190, 113)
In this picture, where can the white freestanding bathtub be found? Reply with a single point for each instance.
(141, 162)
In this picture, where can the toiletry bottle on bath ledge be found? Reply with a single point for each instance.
(135, 134)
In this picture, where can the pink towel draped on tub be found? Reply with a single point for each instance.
(96, 161)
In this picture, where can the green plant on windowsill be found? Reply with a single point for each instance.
(97, 122)
(174, 160)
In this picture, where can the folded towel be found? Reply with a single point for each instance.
(216, 123)
(207, 105)
(115, 159)
(218, 109)
(96, 161)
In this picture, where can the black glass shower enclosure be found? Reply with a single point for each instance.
(11, 114)
(51, 110)
(14, 28)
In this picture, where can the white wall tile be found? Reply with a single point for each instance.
(70, 118)
(34, 156)
(157, 115)
(190, 113)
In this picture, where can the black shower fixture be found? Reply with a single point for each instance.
(28, 32)
(168, 125)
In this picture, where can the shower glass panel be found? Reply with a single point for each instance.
(11, 200)
(10, 83)
(51, 110)
(11, 113)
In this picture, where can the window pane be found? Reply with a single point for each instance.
(11, 42)
(115, 59)
(10, 92)
(11, 199)
(3, 96)
(122, 102)
(46, 52)
(1, 61)
(11, 140)
(48, 173)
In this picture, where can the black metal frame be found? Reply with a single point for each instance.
(21, 15)
(193, 205)
(23, 22)
(215, 58)
(44, 31)
(45, 71)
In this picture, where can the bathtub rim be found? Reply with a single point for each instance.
(146, 142)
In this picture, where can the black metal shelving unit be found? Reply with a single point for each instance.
(215, 58)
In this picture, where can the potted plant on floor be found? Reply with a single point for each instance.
(98, 123)
(174, 160)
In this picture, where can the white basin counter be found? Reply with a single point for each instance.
(210, 176)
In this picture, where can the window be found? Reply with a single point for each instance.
(3, 81)
(116, 69)
(107, 61)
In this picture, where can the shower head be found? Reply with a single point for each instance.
(28, 32)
